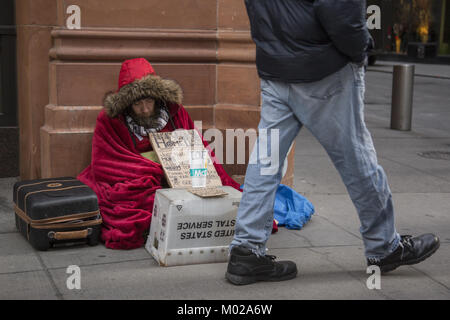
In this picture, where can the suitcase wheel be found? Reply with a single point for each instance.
(93, 238)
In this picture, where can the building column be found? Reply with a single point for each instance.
(204, 45)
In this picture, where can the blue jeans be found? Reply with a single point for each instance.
(332, 109)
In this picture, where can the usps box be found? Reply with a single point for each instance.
(188, 229)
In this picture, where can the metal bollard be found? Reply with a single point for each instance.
(402, 97)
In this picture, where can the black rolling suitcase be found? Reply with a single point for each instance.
(56, 211)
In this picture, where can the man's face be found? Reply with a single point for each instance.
(143, 110)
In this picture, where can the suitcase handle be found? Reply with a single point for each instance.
(69, 235)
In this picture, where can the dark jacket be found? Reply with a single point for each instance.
(306, 40)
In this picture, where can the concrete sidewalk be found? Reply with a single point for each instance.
(328, 250)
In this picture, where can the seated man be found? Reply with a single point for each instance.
(124, 181)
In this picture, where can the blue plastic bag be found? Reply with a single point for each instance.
(291, 209)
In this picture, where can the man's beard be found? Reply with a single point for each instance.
(145, 121)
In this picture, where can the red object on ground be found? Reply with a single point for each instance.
(274, 227)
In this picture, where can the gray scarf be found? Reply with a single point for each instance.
(158, 122)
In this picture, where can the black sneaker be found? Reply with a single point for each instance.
(245, 267)
(410, 251)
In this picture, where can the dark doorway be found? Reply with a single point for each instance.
(9, 131)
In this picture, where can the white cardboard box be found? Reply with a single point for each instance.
(188, 229)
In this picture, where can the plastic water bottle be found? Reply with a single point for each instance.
(198, 171)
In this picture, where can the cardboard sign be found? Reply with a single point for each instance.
(173, 150)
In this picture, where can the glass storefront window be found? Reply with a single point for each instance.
(444, 39)
(414, 27)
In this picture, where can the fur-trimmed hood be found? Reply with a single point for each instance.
(137, 80)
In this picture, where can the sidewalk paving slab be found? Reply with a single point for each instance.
(318, 279)
(407, 282)
(16, 255)
(437, 268)
(414, 213)
(317, 174)
(33, 285)
(84, 255)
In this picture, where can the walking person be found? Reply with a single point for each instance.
(310, 57)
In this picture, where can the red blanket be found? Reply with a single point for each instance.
(125, 182)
